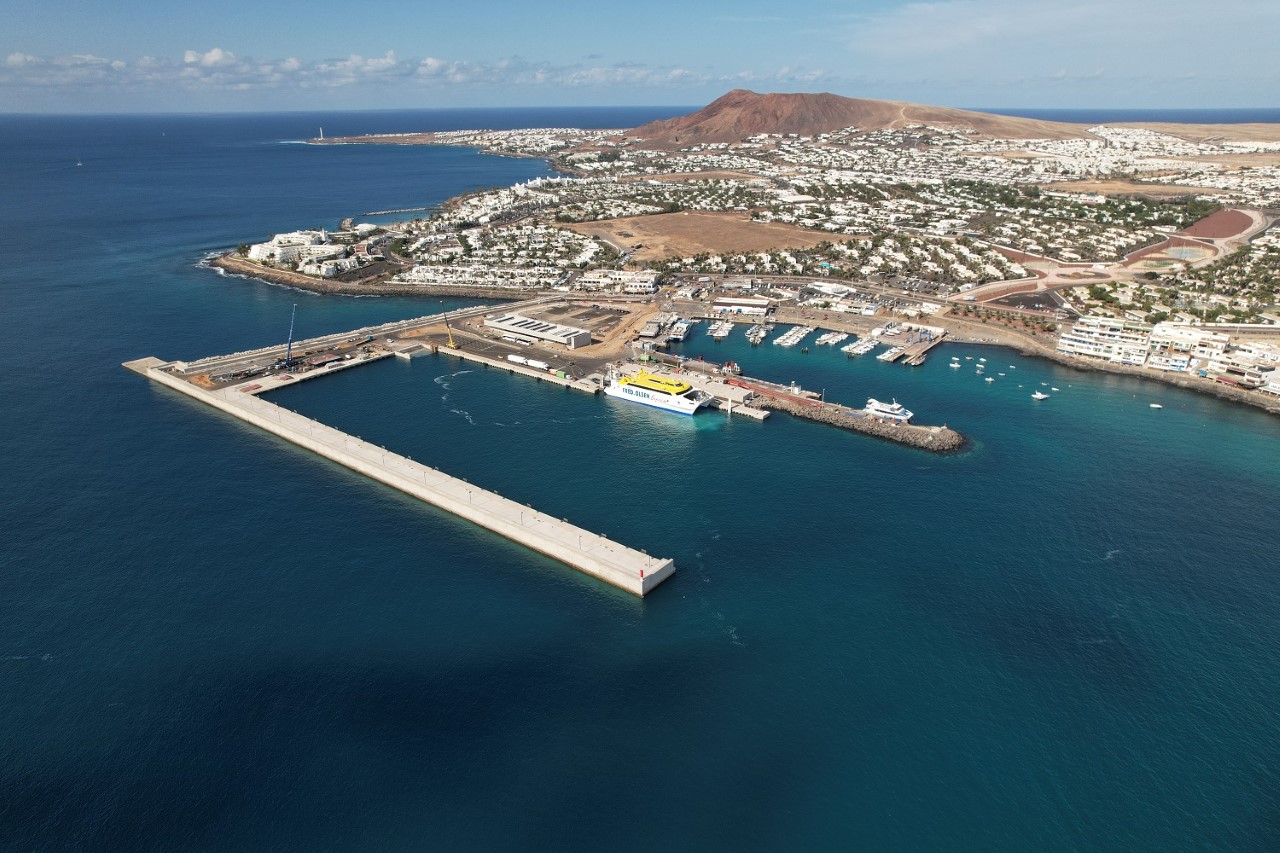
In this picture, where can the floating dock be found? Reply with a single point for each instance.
(626, 568)
(914, 352)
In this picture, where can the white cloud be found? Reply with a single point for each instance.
(959, 52)
(215, 58)
(220, 69)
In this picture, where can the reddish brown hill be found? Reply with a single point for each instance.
(741, 113)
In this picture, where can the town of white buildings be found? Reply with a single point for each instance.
(1177, 348)
(947, 209)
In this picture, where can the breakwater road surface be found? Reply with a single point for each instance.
(610, 561)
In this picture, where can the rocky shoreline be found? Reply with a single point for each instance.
(1189, 382)
(939, 439)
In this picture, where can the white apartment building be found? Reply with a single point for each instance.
(1261, 352)
(1108, 338)
(1237, 368)
(289, 247)
(628, 281)
(1180, 348)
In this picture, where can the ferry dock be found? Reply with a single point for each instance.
(233, 384)
(920, 340)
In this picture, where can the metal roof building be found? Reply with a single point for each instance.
(516, 324)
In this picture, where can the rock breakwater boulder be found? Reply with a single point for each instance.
(937, 439)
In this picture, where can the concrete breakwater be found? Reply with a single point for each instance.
(938, 439)
(616, 564)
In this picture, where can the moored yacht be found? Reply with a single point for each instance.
(894, 411)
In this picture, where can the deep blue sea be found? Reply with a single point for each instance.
(1062, 639)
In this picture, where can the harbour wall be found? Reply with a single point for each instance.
(938, 439)
(595, 555)
(522, 369)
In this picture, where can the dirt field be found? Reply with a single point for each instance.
(679, 235)
(1128, 188)
(1238, 161)
(1207, 132)
(1224, 223)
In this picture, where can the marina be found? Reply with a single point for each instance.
(793, 336)
(860, 347)
(720, 330)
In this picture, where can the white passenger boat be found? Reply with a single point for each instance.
(663, 392)
(893, 411)
(1039, 395)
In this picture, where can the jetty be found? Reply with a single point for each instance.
(806, 404)
(921, 339)
(626, 568)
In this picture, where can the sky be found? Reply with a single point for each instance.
(236, 55)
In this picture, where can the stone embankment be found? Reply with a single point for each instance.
(938, 439)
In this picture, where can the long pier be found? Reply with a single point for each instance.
(616, 564)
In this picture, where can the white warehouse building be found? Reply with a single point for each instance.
(527, 328)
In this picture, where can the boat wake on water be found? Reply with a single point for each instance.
(465, 414)
(443, 381)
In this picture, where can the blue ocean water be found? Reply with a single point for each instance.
(1062, 639)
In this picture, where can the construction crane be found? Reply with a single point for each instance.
(288, 347)
(452, 343)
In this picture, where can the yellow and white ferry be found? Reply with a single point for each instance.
(663, 392)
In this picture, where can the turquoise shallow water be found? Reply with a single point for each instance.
(1060, 639)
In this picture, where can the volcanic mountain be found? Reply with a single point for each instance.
(742, 113)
